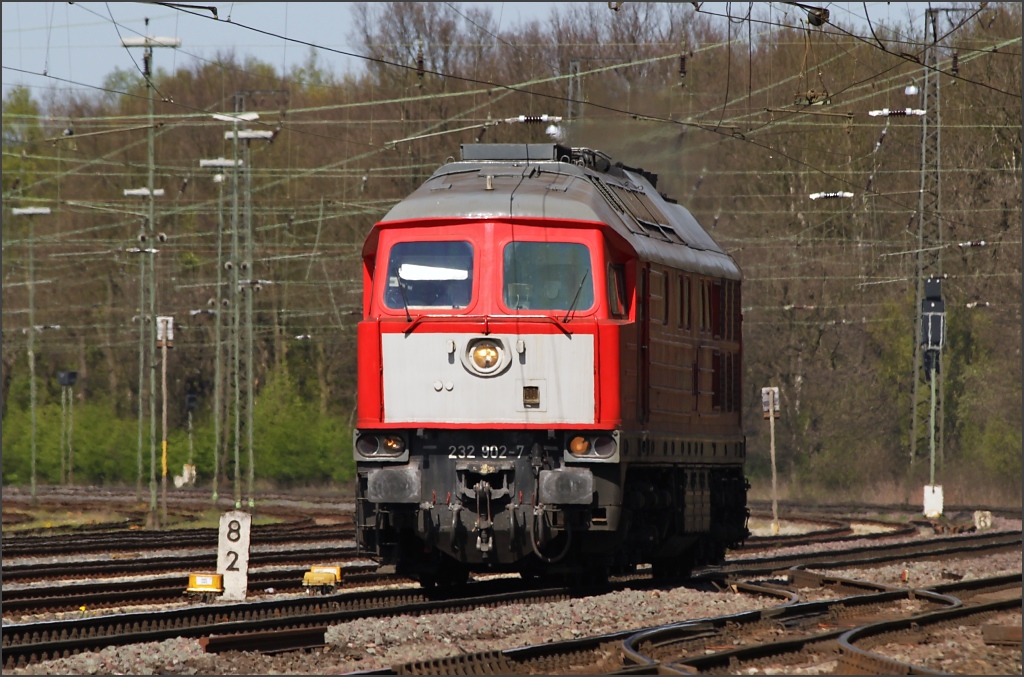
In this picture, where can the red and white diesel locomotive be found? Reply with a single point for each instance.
(549, 374)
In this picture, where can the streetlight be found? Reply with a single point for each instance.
(834, 195)
(896, 112)
(32, 211)
(217, 164)
(148, 43)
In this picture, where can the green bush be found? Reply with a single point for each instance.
(104, 446)
(293, 442)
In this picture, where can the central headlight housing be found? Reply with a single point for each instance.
(485, 357)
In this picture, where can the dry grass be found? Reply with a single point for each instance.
(960, 488)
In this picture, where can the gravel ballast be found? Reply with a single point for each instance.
(376, 643)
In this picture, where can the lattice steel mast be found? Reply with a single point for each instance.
(929, 239)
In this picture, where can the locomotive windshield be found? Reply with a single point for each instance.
(547, 276)
(429, 275)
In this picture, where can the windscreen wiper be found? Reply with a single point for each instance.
(405, 299)
(576, 298)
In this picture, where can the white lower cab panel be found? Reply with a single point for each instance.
(542, 378)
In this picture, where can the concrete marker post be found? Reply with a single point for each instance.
(233, 554)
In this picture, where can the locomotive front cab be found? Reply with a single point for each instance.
(487, 444)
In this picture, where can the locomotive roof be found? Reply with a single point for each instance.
(552, 181)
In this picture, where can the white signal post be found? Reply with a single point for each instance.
(233, 553)
(165, 338)
(770, 406)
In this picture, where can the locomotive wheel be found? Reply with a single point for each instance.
(449, 574)
(595, 576)
(680, 566)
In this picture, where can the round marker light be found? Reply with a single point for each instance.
(579, 446)
(604, 446)
(486, 356)
(392, 445)
(367, 445)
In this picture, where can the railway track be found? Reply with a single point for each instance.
(788, 507)
(832, 531)
(962, 545)
(122, 539)
(198, 561)
(796, 633)
(41, 599)
(28, 642)
(52, 599)
(306, 531)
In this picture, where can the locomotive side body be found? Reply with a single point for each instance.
(549, 366)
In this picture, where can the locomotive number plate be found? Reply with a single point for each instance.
(485, 451)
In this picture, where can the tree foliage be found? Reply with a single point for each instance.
(828, 297)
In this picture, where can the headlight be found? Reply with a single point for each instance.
(486, 355)
(380, 446)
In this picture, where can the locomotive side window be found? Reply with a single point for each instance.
(665, 286)
(617, 290)
(659, 295)
(716, 309)
(429, 275)
(736, 311)
(547, 276)
(705, 306)
(726, 310)
(684, 302)
(716, 380)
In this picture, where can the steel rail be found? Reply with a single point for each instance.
(34, 641)
(29, 546)
(25, 643)
(620, 652)
(856, 660)
(876, 554)
(167, 589)
(204, 560)
(834, 535)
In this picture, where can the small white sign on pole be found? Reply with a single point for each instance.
(770, 406)
(165, 330)
(769, 395)
(933, 501)
(233, 553)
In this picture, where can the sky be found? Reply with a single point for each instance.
(79, 42)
